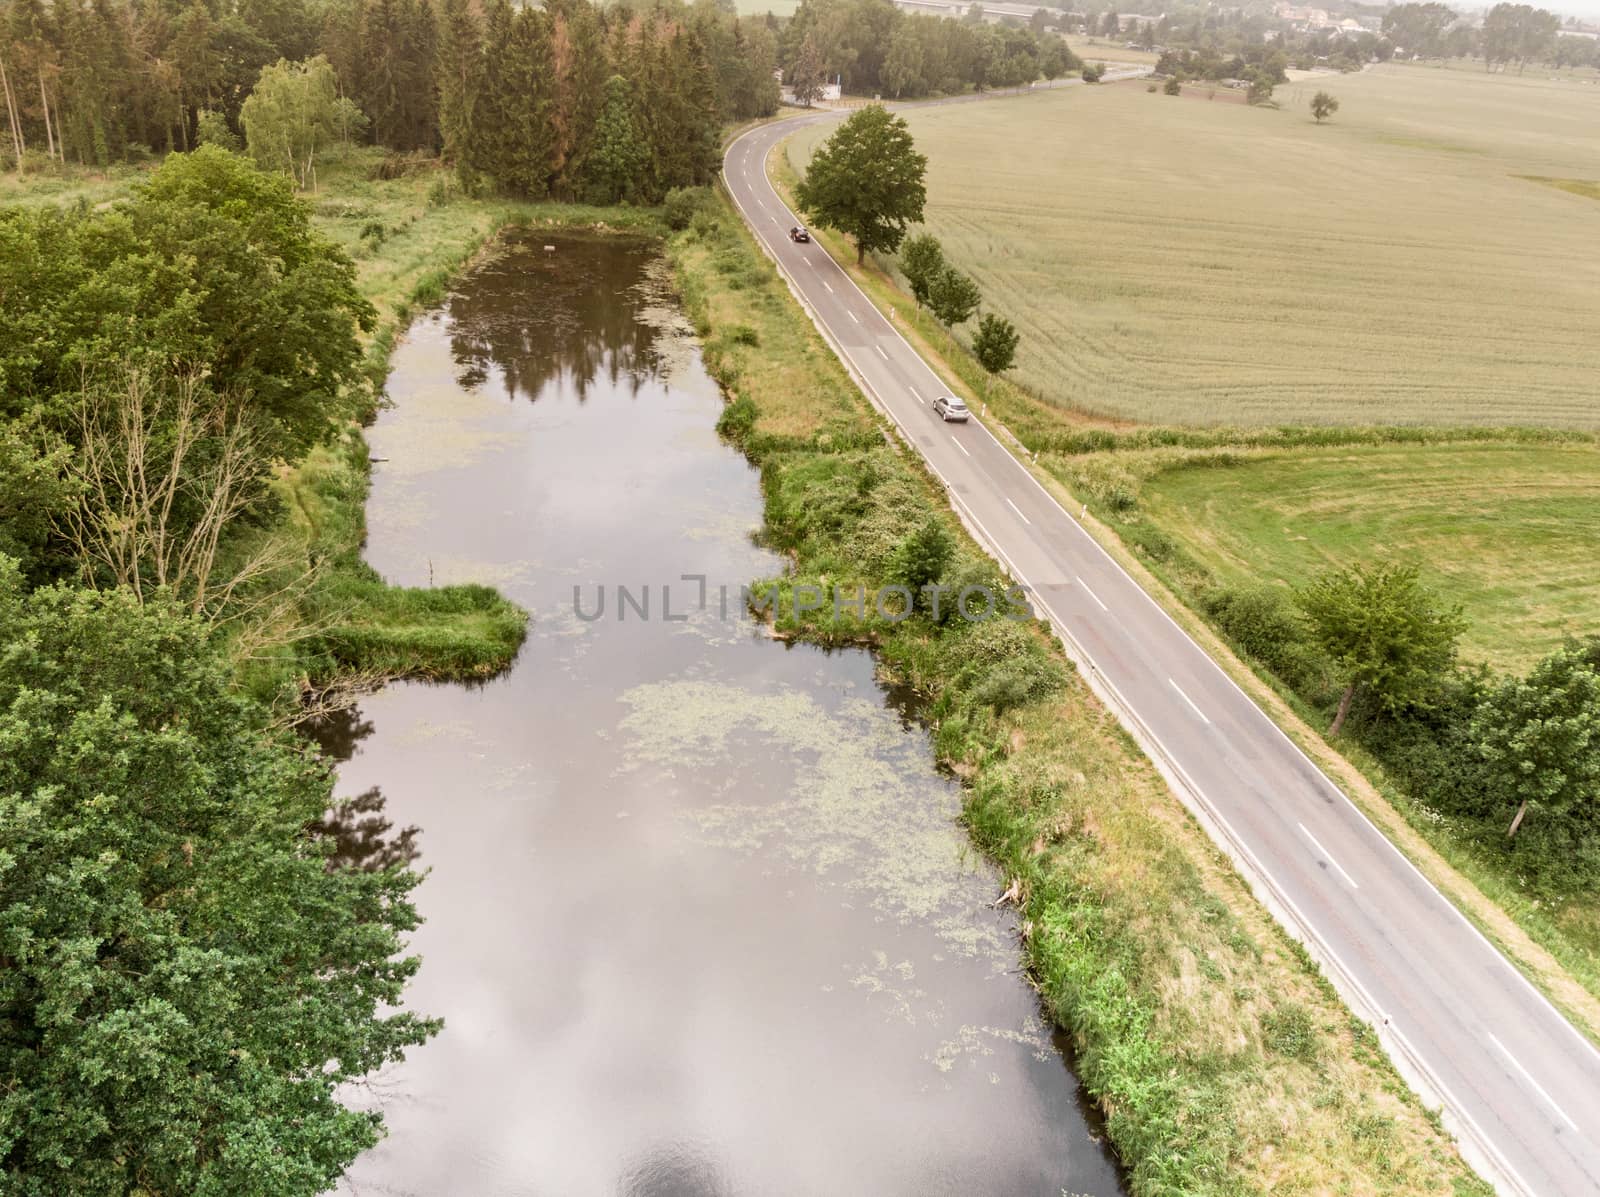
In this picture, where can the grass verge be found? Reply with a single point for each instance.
(1224, 1062)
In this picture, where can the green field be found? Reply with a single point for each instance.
(1177, 260)
(1511, 532)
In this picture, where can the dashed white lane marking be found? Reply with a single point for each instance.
(1092, 594)
(1537, 1088)
(1192, 707)
(913, 391)
(1018, 510)
(1328, 856)
(960, 446)
(881, 353)
(852, 315)
(825, 284)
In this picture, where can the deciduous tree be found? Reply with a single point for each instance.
(866, 181)
(995, 345)
(1385, 633)
(1539, 737)
(806, 75)
(953, 296)
(1323, 106)
(921, 260)
(290, 116)
(188, 983)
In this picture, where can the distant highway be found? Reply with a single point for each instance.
(1517, 1083)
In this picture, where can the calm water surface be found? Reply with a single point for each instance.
(699, 918)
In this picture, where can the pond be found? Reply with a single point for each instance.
(700, 916)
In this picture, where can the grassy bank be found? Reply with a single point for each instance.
(1223, 1061)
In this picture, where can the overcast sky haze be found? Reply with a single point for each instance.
(1584, 10)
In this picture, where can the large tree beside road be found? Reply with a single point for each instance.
(1385, 633)
(866, 181)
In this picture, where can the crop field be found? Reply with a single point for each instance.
(1508, 531)
(1103, 49)
(1175, 260)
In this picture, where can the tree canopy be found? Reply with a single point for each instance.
(1384, 632)
(1539, 737)
(953, 296)
(995, 345)
(866, 181)
(1418, 29)
(295, 111)
(921, 260)
(1518, 33)
(211, 266)
(187, 981)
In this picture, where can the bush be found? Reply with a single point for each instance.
(212, 129)
(1173, 86)
(1289, 1031)
(705, 225)
(1017, 682)
(444, 191)
(921, 558)
(1261, 623)
(682, 205)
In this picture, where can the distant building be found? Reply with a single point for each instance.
(1317, 17)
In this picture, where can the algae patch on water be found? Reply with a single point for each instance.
(850, 796)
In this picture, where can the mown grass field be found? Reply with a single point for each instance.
(1511, 532)
(1175, 260)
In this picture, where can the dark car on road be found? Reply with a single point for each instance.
(950, 409)
(798, 233)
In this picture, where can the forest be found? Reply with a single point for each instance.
(569, 100)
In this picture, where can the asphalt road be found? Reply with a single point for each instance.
(1516, 1082)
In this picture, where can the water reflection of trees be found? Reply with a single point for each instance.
(581, 316)
(363, 836)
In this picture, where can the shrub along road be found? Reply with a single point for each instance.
(1519, 1085)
